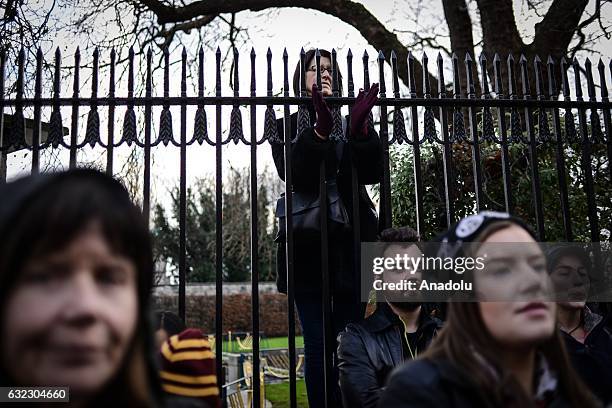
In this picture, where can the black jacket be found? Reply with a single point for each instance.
(307, 152)
(425, 383)
(592, 359)
(369, 350)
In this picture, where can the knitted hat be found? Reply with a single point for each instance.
(188, 367)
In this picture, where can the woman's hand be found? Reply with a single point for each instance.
(361, 109)
(323, 125)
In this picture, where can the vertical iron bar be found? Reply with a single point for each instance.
(328, 349)
(384, 141)
(366, 71)
(447, 158)
(416, 161)
(74, 128)
(218, 230)
(503, 132)
(559, 152)
(596, 136)
(182, 186)
(111, 115)
(37, 119)
(2, 152)
(533, 154)
(476, 165)
(254, 243)
(606, 112)
(288, 224)
(147, 143)
(354, 185)
(586, 158)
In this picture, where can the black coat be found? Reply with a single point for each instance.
(369, 350)
(307, 152)
(425, 383)
(592, 359)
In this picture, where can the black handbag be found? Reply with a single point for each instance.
(306, 211)
(306, 214)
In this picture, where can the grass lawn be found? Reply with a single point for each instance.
(265, 343)
(278, 394)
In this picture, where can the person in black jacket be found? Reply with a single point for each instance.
(587, 338)
(76, 274)
(396, 332)
(314, 143)
(497, 352)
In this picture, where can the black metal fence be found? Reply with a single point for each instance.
(532, 117)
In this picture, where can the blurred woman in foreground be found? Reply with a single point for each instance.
(75, 279)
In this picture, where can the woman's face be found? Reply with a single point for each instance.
(571, 282)
(326, 76)
(71, 317)
(515, 289)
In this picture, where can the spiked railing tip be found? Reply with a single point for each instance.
(285, 55)
(496, 58)
(537, 59)
(381, 56)
(522, 59)
(439, 57)
(349, 53)
(550, 60)
(482, 57)
(587, 62)
(468, 57)
(184, 53)
(393, 55)
(252, 51)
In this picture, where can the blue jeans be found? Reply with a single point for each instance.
(310, 312)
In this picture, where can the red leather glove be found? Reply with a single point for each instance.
(361, 109)
(324, 123)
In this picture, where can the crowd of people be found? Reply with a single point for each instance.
(76, 279)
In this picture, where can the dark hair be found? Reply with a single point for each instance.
(170, 322)
(401, 234)
(405, 235)
(43, 215)
(554, 255)
(310, 55)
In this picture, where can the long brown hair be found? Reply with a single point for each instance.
(465, 342)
